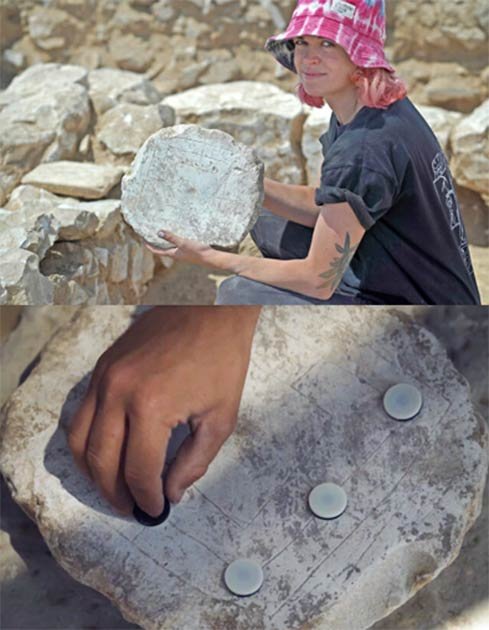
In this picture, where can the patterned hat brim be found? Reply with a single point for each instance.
(362, 51)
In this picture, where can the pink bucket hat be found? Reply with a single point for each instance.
(358, 26)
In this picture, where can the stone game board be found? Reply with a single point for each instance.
(311, 412)
(198, 183)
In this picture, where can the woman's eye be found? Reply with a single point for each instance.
(327, 44)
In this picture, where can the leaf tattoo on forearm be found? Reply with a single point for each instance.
(338, 265)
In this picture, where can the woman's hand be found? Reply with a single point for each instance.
(184, 249)
(173, 365)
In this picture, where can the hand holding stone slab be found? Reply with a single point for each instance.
(198, 183)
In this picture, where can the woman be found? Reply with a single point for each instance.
(384, 226)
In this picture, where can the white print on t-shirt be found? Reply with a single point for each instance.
(444, 187)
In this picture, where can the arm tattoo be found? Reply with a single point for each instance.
(338, 265)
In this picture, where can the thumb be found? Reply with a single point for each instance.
(196, 453)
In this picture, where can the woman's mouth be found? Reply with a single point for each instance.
(313, 75)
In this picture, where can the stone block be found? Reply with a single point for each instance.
(108, 87)
(77, 179)
(124, 128)
(197, 183)
(44, 113)
(414, 488)
(21, 281)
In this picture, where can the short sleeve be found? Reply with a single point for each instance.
(370, 194)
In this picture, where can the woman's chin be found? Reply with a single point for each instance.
(313, 90)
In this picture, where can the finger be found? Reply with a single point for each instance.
(145, 457)
(197, 452)
(105, 455)
(170, 252)
(79, 430)
(170, 237)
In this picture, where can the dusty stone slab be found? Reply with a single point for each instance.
(311, 410)
(75, 179)
(198, 183)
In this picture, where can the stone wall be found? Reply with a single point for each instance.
(94, 78)
(181, 44)
(62, 236)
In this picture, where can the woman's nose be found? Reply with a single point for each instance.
(311, 56)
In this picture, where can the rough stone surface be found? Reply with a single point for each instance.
(470, 144)
(197, 183)
(108, 87)
(37, 326)
(80, 251)
(21, 282)
(75, 179)
(184, 44)
(125, 128)
(43, 115)
(442, 122)
(257, 114)
(317, 123)
(442, 30)
(414, 488)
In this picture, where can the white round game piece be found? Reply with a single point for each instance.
(243, 577)
(327, 500)
(402, 401)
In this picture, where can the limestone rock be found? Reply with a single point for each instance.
(198, 183)
(131, 53)
(20, 349)
(311, 411)
(463, 95)
(10, 21)
(443, 30)
(75, 219)
(470, 144)
(109, 87)
(475, 213)
(43, 115)
(21, 281)
(78, 179)
(317, 123)
(124, 128)
(441, 122)
(85, 253)
(257, 114)
(52, 29)
(55, 74)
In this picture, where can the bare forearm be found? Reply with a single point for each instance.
(293, 202)
(293, 275)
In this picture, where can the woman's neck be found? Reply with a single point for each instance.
(345, 109)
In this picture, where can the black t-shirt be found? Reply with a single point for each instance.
(388, 165)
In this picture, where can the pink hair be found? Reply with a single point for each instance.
(377, 87)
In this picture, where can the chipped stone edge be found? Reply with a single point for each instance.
(181, 129)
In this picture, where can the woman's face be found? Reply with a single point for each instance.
(324, 68)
